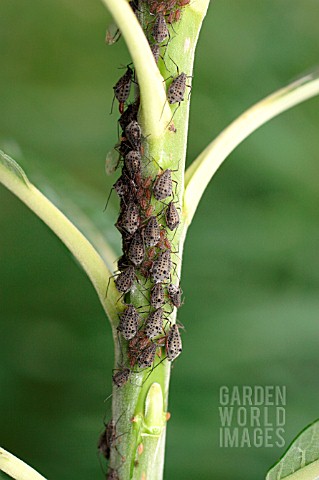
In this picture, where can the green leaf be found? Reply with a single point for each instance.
(16, 468)
(201, 171)
(13, 177)
(301, 460)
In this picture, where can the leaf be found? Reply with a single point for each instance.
(16, 468)
(153, 96)
(201, 171)
(13, 177)
(301, 460)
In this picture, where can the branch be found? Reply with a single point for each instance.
(207, 163)
(16, 468)
(13, 177)
(153, 96)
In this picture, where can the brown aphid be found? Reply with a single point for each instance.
(132, 162)
(172, 216)
(157, 296)
(163, 186)
(136, 251)
(112, 475)
(161, 267)
(121, 377)
(129, 321)
(121, 187)
(152, 232)
(133, 134)
(175, 294)
(130, 218)
(155, 49)
(173, 343)
(129, 115)
(147, 356)
(160, 31)
(106, 440)
(123, 87)
(140, 449)
(176, 90)
(125, 280)
(154, 324)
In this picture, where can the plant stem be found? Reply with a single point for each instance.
(132, 404)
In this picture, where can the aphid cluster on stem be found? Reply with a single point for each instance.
(148, 220)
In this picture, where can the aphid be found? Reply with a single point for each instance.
(112, 475)
(161, 267)
(132, 162)
(133, 134)
(125, 280)
(157, 296)
(121, 377)
(129, 321)
(123, 87)
(163, 186)
(173, 343)
(111, 161)
(129, 220)
(155, 51)
(136, 345)
(152, 232)
(147, 356)
(106, 439)
(175, 294)
(121, 187)
(136, 251)
(160, 30)
(183, 3)
(154, 324)
(112, 35)
(172, 216)
(129, 115)
(176, 90)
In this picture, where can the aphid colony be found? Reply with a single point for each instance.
(148, 220)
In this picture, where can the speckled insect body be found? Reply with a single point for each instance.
(152, 232)
(173, 343)
(154, 324)
(123, 87)
(136, 251)
(112, 474)
(172, 216)
(133, 134)
(161, 267)
(130, 218)
(147, 356)
(129, 322)
(160, 31)
(175, 294)
(125, 280)
(121, 377)
(107, 439)
(157, 296)
(132, 162)
(176, 90)
(163, 186)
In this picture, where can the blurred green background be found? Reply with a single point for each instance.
(251, 266)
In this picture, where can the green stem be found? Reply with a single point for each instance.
(169, 151)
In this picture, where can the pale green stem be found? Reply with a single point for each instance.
(153, 96)
(207, 163)
(168, 151)
(16, 468)
(13, 177)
